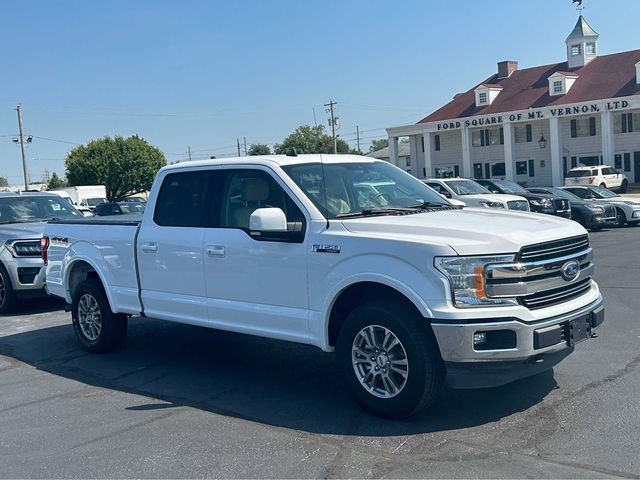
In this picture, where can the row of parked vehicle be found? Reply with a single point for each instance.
(592, 206)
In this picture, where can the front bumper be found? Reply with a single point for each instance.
(522, 348)
(25, 272)
(600, 220)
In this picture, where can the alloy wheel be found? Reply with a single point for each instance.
(89, 317)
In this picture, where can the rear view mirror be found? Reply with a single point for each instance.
(268, 220)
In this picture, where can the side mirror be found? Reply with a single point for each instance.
(445, 194)
(268, 220)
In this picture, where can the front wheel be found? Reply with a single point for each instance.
(98, 329)
(390, 359)
(7, 293)
(621, 219)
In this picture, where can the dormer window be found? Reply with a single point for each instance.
(486, 94)
(561, 82)
(557, 86)
(576, 50)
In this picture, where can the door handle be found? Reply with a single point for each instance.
(215, 250)
(149, 247)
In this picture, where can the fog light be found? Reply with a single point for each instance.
(479, 338)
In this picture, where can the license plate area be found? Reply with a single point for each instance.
(579, 330)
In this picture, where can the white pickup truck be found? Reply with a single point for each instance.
(346, 253)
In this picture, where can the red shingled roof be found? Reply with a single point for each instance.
(608, 76)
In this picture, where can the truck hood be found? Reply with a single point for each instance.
(472, 231)
(14, 231)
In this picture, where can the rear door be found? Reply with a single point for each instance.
(255, 284)
(170, 249)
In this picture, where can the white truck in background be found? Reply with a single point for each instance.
(407, 289)
(87, 195)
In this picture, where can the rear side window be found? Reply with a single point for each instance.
(181, 200)
(579, 173)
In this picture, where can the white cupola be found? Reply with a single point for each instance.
(582, 44)
(638, 73)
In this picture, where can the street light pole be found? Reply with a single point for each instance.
(24, 151)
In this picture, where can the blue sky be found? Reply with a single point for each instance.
(202, 73)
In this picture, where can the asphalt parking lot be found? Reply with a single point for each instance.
(180, 401)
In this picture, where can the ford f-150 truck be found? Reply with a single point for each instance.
(408, 290)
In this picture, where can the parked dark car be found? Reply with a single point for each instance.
(119, 208)
(132, 200)
(590, 215)
(627, 209)
(539, 203)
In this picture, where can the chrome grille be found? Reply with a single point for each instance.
(522, 205)
(551, 250)
(548, 298)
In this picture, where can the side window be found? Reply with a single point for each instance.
(181, 200)
(247, 190)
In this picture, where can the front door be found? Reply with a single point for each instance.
(254, 284)
(636, 167)
(169, 247)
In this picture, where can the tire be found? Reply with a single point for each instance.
(7, 293)
(417, 348)
(621, 218)
(101, 331)
(603, 185)
(623, 186)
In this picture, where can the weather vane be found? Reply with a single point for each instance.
(579, 6)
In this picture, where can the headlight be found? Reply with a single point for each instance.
(595, 208)
(544, 202)
(488, 204)
(467, 278)
(24, 248)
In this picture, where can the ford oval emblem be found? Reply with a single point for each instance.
(570, 270)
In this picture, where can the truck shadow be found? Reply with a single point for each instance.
(266, 381)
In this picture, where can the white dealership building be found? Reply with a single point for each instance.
(532, 125)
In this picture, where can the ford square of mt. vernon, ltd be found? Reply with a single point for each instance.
(408, 290)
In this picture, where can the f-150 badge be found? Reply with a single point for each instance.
(326, 248)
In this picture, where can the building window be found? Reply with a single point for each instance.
(523, 133)
(532, 168)
(627, 123)
(583, 127)
(627, 162)
(477, 170)
(618, 161)
(407, 161)
(521, 168)
(498, 170)
(436, 141)
(591, 48)
(482, 98)
(487, 136)
(576, 50)
(557, 86)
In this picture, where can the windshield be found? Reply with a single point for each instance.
(92, 202)
(558, 192)
(351, 188)
(35, 208)
(466, 187)
(133, 207)
(509, 187)
(581, 173)
(602, 192)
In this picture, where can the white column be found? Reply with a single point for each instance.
(413, 154)
(427, 156)
(508, 151)
(466, 152)
(608, 146)
(555, 143)
(393, 150)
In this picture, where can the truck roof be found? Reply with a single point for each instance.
(279, 160)
(26, 194)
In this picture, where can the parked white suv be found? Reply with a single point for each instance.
(601, 175)
(475, 195)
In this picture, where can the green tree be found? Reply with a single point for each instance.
(378, 144)
(259, 149)
(55, 182)
(308, 139)
(125, 166)
(4, 182)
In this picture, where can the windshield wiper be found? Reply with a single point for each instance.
(370, 212)
(33, 220)
(427, 205)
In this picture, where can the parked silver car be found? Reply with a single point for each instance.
(22, 220)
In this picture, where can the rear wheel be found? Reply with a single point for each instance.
(7, 293)
(389, 359)
(98, 329)
(603, 185)
(623, 186)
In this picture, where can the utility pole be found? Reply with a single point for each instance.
(358, 137)
(24, 151)
(238, 143)
(189, 152)
(245, 146)
(333, 123)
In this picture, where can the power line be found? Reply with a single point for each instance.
(55, 140)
